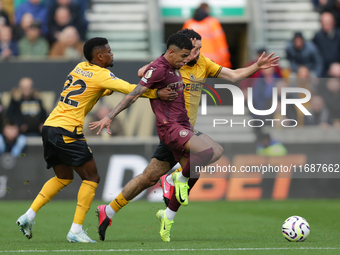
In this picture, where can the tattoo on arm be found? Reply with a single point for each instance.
(127, 101)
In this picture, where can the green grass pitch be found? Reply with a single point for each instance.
(222, 227)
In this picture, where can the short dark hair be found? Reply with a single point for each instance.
(35, 24)
(298, 34)
(92, 44)
(190, 33)
(179, 40)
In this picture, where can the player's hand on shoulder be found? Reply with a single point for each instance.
(104, 122)
(167, 94)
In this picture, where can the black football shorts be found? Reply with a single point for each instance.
(64, 147)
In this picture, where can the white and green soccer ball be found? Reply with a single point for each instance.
(295, 229)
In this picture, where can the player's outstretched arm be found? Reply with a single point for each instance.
(263, 62)
(128, 100)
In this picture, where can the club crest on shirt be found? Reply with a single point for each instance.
(192, 77)
(148, 74)
(183, 133)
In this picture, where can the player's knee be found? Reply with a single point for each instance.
(93, 178)
(218, 152)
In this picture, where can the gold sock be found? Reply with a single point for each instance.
(48, 191)
(119, 202)
(86, 194)
(178, 170)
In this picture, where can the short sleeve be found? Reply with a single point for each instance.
(152, 76)
(213, 69)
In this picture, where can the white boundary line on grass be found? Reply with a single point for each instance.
(203, 249)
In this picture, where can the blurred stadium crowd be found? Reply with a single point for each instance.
(314, 65)
(40, 28)
(31, 29)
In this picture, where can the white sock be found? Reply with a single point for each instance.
(169, 179)
(76, 228)
(170, 214)
(182, 178)
(30, 214)
(109, 211)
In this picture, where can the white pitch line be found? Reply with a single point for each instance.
(203, 249)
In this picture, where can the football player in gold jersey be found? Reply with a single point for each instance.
(65, 147)
(198, 69)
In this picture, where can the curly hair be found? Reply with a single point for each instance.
(190, 33)
(179, 40)
(92, 44)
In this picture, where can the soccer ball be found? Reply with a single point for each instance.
(295, 229)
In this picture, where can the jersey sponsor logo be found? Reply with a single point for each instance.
(148, 74)
(183, 133)
(176, 86)
(193, 86)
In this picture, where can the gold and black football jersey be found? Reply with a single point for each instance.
(193, 79)
(82, 89)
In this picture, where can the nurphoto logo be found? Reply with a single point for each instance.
(239, 105)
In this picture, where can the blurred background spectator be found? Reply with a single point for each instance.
(319, 4)
(214, 41)
(304, 79)
(320, 114)
(33, 45)
(269, 147)
(300, 52)
(8, 47)
(4, 18)
(332, 6)
(26, 109)
(11, 141)
(61, 19)
(68, 45)
(249, 82)
(19, 30)
(327, 40)
(291, 111)
(334, 70)
(37, 9)
(263, 90)
(75, 17)
(331, 96)
(116, 126)
(2, 115)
